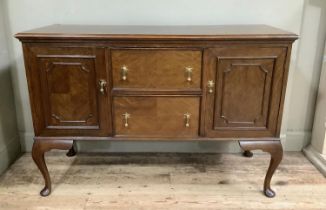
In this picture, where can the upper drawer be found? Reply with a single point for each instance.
(156, 68)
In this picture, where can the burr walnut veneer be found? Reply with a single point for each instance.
(170, 83)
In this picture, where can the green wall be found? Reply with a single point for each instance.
(9, 138)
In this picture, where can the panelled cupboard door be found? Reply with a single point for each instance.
(70, 89)
(243, 91)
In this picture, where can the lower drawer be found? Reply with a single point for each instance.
(156, 116)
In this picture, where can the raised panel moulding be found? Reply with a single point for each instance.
(260, 117)
(225, 73)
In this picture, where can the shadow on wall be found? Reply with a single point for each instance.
(318, 61)
(22, 104)
(318, 135)
(307, 72)
(321, 32)
(318, 55)
(9, 138)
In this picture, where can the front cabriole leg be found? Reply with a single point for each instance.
(41, 146)
(274, 148)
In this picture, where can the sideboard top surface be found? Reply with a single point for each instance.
(209, 32)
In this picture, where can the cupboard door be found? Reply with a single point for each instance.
(73, 100)
(244, 88)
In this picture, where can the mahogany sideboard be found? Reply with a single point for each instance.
(157, 83)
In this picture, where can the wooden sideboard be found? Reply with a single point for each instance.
(157, 83)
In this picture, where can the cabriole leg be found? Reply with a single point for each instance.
(274, 148)
(38, 151)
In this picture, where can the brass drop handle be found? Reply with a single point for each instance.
(102, 84)
(189, 74)
(126, 116)
(210, 85)
(187, 119)
(124, 72)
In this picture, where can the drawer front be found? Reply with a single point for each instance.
(156, 116)
(153, 68)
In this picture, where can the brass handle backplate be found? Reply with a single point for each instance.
(124, 72)
(187, 119)
(210, 85)
(188, 74)
(102, 84)
(126, 116)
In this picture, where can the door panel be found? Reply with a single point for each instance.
(69, 90)
(69, 87)
(247, 91)
(243, 93)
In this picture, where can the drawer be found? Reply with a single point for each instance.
(156, 68)
(156, 116)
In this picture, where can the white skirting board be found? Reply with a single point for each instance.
(9, 153)
(316, 158)
(295, 140)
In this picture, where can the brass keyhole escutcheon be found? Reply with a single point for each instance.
(210, 85)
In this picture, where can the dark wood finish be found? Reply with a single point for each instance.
(148, 68)
(247, 91)
(274, 148)
(39, 148)
(65, 98)
(156, 116)
(77, 92)
(155, 91)
(69, 90)
(149, 138)
(221, 32)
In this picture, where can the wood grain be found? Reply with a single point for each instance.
(64, 92)
(39, 149)
(199, 32)
(247, 92)
(157, 68)
(156, 116)
(274, 148)
(163, 181)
